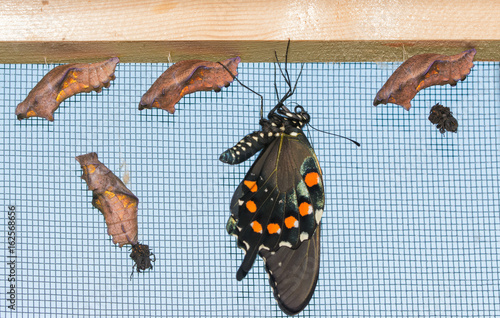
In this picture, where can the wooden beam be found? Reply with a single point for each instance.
(57, 31)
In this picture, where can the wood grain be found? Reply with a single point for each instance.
(321, 30)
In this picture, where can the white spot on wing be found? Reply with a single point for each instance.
(318, 215)
(286, 244)
(240, 202)
(294, 134)
(255, 138)
(263, 247)
(304, 236)
(246, 245)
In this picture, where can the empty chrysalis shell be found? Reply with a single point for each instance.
(118, 205)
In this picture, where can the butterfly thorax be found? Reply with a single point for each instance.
(280, 121)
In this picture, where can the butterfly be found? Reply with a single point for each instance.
(276, 210)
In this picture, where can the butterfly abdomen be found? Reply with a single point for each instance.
(246, 147)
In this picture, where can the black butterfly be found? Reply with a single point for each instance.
(276, 210)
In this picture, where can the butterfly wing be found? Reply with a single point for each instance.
(293, 274)
(275, 213)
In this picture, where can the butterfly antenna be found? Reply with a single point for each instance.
(332, 134)
(286, 75)
(239, 82)
(276, 86)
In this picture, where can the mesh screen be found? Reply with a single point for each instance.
(410, 227)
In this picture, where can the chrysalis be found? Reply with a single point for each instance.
(63, 82)
(118, 205)
(186, 77)
(422, 71)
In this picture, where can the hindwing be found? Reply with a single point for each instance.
(293, 274)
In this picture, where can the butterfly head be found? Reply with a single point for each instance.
(281, 119)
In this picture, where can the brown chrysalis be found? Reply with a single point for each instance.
(422, 71)
(118, 205)
(186, 77)
(443, 118)
(62, 82)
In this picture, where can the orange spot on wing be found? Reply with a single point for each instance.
(312, 179)
(251, 206)
(256, 227)
(290, 222)
(273, 228)
(305, 208)
(251, 185)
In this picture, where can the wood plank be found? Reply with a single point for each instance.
(56, 31)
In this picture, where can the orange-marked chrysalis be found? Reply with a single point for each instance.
(63, 82)
(422, 71)
(118, 205)
(186, 77)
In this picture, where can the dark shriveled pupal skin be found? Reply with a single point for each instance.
(422, 71)
(63, 82)
(118, 205)
(443, 118)
(186, 77)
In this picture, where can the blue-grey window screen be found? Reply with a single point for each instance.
(410, 229)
